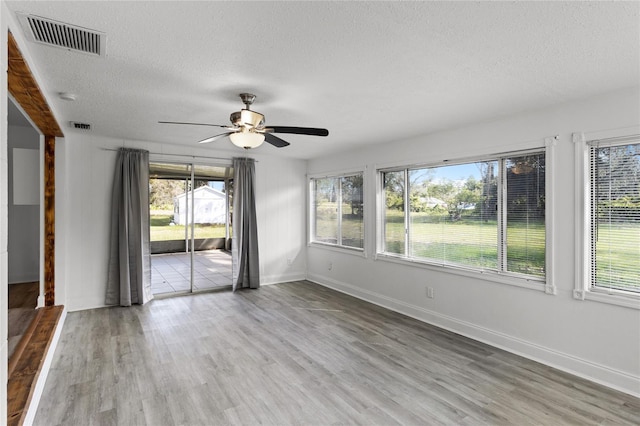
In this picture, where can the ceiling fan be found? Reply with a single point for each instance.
(247, 129)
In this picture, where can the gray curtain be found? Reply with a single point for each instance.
(246, 273)
(129, 280)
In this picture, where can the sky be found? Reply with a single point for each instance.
(216, 185)
(458, 172)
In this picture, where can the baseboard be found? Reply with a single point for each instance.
(577, 366)
(282, 278)
(44, 372)
(20, 279)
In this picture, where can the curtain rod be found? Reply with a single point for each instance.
(178, 155)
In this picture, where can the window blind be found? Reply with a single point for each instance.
(352, 226)
(525, 214)
(394, 206)
(452, 214)
(338, 210)
(482, 215)
(615, 216)
(325, 196)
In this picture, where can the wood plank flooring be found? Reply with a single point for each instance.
(298, 353)
(24, 368)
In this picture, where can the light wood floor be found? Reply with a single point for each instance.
(298, 353)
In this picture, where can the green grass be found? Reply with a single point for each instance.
(468, 241)
(617, 247)
(327, 225)
(474, 243)
(161, 230)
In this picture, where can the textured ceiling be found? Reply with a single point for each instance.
(370, 72)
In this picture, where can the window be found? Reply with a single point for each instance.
(487, 215)
(614, 216)
(337, 207)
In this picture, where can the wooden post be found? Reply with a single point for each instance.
(49, 219)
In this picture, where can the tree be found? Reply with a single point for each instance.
(326, 189)
(352, 193)
(489, 199)
(616, 189)
(163, 191)
(394, 190)
(526, 186)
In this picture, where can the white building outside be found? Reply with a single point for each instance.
(209, 206)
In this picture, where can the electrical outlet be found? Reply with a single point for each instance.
(289, 261)
(330, 266)
(430, 293)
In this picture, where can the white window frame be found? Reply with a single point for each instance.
(546, 284)
(312, 218)
(583, 289)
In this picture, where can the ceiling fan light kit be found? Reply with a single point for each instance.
(247, 139)
(248, 130)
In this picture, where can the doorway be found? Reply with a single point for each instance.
(190, 227)
(24, 218)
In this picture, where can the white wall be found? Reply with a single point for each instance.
(4, 256)
(595, 340)
(24, 219)
(281, 210)
(88, 176)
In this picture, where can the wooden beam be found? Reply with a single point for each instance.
(25, 90)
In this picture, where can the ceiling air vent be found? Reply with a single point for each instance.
(80, 126)
(66, 36)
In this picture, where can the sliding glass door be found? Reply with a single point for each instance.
(190, 227)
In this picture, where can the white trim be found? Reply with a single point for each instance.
(612, 142)
(340, 173)
(614, 298)
(549, 221)
(44, 371)
(4, 208)
(356, 251)
(582, 286)
(501, 216)
(456, 161)
(282, 278)
(581, 195)
(595, 372)
(361, 171)
(28, 277)
(611, 133)
(487, 275)
(502, 276)
(157, 157)
(463, 157)
(41, 220)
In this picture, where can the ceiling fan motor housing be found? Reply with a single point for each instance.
(248, 118)
(248, 131)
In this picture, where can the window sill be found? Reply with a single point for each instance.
(618, 298)
(486, 275)
(342, 249)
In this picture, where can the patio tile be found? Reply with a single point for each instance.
(171, 272)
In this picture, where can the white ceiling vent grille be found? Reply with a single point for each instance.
(66, 36)
(80, 126)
